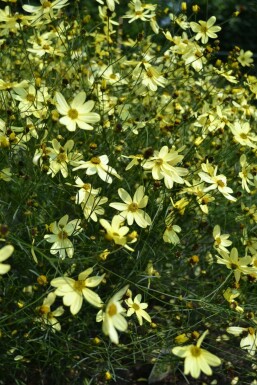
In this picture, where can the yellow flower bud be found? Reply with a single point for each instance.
(195, 8)
(183, 6)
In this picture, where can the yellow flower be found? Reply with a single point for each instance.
(205, 29)
(73, 291)
(196, 358)
(5, 253)
(218, 182)
(113, 316)
(78, 113)
(220, 241)
(249, 341)
(131, 210)
(116, 232)
(233, 262)
(137, 307)
(47, 317)
(245, 58)
(61, 231)
(162, 166)
(98, 165)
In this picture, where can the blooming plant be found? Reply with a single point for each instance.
(128, 209)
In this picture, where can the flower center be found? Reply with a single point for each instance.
(112, 310)
(46, 4)
(243, 135)
(135, 306)
(79, 285)
(159, 162)
(62, 235)
(220, 183)
(218, 241)
(86, 186)
(73, 114)
(44, 309)
(95, 160)
(30, 98)
(133, 207)
(233, 266)
(195, 351)
(62, 157)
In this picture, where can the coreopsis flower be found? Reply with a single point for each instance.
(85, 190)
(249, 340)
(110, 4)
(116, 232)
(140, 11)
(6, 85)
(245, 58)
(137, 307)
(197, 360)
(170, 234)
(113, 315)
(74, 291)
(46, 9)
(5, 253)
(98, 165)
(32, 100)
(245, 174)
(202, 198)
(242, 134)
(205, 29)
(92, 206)
(131, 210)
(230, 295)
(61, 231)
(149, 76)
(48, 317)
(218, 182)
(5, 174)
(193, 55)
(78, 113)
(61, 156)
(221, 241)
(162, 166)
(235, 263)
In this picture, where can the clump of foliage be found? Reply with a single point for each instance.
(128, 181)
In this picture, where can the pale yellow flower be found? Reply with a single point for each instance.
(221, 241)
(197, 360)
(245, 58)
(218, 182)
(78, 113)
(205, 29)
(140, 11)
(74, 291)
(92, 206)
(149, 76)
(242, 133)
(137, 307)
(245, 174)
(236, 264)
(162, 165)
(113, 316)
(60, 237)
(116, 232)
(131, 210)
(5, 253)
(47, 316)
(249, 341)
(61, 156)
(98, 165)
